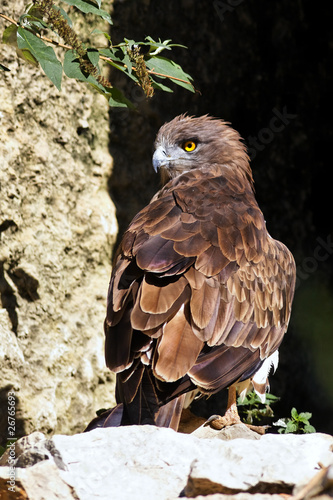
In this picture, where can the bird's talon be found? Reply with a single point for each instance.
(217, 422)
(211, 419)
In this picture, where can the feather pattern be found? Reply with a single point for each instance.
(200, 294)
(177, 349)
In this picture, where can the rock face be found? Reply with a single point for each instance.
(148, 462)
(57, 226)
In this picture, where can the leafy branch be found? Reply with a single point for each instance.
(139, 61)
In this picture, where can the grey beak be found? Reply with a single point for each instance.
(160, 158)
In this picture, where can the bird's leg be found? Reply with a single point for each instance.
(231, 416)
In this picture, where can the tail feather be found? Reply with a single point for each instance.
(169, 414)
(147, 406)
(109, 418)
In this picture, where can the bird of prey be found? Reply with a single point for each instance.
(200, 294)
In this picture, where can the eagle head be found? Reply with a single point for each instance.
(188, 142)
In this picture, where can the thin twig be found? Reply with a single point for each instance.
(151, 72)
(9, 19)
(54, 42)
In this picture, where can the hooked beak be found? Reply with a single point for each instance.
(160, 158)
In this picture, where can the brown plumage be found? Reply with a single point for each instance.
(200, 294)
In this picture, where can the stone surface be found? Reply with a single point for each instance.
(58, 226)
(41, 482)
(232, 432)
(239, 496)
(148, 462)
(272, 464)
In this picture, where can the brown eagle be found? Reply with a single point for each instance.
(200, 293)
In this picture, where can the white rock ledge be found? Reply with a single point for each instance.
(146, 462)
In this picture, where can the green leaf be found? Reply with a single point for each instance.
(129, 42)
(27, 56)
(304, 416)
(294, 414)
(93, 56)
(128, 63)
(271, 398)
(160, 86)
(3, 68)
(114, 96)
(72, 68)
(309, 429)
(90, 8)
(118, 100)
(169, 69)
(9, 36)
(44, 54)
(291, 427)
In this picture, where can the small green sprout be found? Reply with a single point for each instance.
(297, 424)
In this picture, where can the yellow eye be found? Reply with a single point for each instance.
(189, 146)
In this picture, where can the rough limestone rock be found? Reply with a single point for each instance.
(57, 229)
(156, 463)
(274, 464)
(231, 432)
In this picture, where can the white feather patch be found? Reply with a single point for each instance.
(261, 376)
(243, 388)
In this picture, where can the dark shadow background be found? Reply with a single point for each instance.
(267, 68)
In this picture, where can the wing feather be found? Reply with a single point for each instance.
(158, 298)
(192, 246)
(145, 322)
(177, 349)
(211, 261)
(203, 302)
